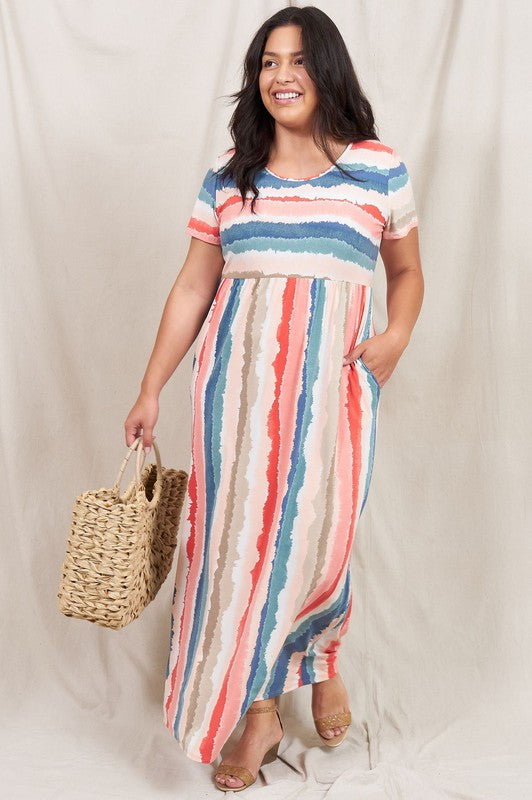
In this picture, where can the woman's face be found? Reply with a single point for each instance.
(283, 70)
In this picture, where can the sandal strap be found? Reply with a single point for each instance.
(261, 709)
(238, 772)
(333, 720)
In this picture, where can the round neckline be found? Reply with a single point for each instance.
(311, 177)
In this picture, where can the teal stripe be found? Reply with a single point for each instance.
(213, 395)
(375, 394)
(313, 246)
(296, 476)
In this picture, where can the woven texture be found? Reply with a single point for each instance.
(333, 721)
(120, 548)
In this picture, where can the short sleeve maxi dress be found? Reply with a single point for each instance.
(283, 437)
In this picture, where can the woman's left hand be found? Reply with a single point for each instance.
(380, 354)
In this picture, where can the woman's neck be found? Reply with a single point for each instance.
(297, 154)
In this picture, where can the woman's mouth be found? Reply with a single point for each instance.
(286, 98)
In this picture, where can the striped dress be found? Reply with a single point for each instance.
(283, 437)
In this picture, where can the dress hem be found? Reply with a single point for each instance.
(318, 678)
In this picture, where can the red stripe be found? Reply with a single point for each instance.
(202, 227)
(354, 425)
(208, 742)
(274, 417)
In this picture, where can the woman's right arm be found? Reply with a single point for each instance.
(184, 313)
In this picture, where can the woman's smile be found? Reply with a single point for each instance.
(286, 98)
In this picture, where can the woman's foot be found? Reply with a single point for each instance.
(261, 733)
(330, 697)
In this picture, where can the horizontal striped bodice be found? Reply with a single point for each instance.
(327, 226)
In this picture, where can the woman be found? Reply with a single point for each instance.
(287, 375)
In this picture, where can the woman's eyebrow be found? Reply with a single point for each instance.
(270, 53)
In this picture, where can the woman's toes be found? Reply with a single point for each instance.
(330, 732)
(228, 780)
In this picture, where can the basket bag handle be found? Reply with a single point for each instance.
(137, 444)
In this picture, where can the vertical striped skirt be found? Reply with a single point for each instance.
(283, 438)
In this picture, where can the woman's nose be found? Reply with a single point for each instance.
(285, 74)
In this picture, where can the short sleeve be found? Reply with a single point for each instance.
(204, 223)
(402, 211)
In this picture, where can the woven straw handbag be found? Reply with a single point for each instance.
(120, 548)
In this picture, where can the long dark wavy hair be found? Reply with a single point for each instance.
(343, 111)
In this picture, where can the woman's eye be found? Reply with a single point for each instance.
(269, 61)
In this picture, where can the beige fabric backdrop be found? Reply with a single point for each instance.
(111, 113)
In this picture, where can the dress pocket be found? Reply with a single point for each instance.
(202, 333)
(361, 326)
(370, 373)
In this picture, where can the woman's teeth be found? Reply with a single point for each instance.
(287, 96)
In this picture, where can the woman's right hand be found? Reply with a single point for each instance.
(141, 420)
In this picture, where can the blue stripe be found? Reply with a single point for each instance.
(298, 641)
(298, 465)
(362, 176)
(283, 542)
(311, 230)
(398, 177)
(213, 415)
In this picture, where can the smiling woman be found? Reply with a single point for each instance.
(301, 52)
(286, 382)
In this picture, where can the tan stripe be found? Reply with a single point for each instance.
(204, 694)
(320, 532)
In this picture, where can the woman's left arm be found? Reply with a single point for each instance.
(404, 297)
